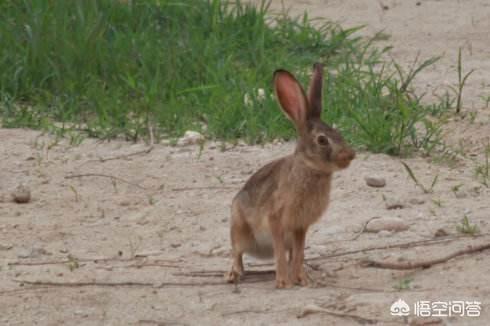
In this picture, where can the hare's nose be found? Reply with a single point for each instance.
(346, 154)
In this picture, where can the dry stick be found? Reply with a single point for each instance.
(224, 314)
(368, 290)
(145, 151)
(116, 284)
(22, 290)
(104, 176)
(163, 263)
(310, 309)
(391, 246)
(151, 264)
(201, 188)
(39, 263)
(82, 284)
(221, 273)
(160, 322)
(102, 159)
(425, 264)
(358, 234)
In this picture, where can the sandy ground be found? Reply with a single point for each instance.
(117, 235)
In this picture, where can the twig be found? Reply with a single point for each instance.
(39, 263)
(391, 246)
(160, 322)
(145, 151)
(123, 156)
(152, 264)
(358, 234)
(201, 188)
(23, 290)
(82, 284)
(221, 273)
(321, 284)
(117, 284)
(104, 176)
(224, 314)
(311, 309)
(425, 264)
(160, 263)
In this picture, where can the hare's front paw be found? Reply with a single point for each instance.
(301, 278)
(283, 283)
(233, 276)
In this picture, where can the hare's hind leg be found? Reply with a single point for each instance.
(241, 239)
(236, 272)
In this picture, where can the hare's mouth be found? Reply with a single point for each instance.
(344, 158)
(343, 163)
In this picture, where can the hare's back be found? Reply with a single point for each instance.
(258, 190)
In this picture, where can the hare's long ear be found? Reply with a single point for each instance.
(291, 97)
(315, 92)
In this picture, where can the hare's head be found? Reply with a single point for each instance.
(320, 145)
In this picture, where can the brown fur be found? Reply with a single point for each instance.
(271, 214)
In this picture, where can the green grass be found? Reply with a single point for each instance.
(110, 68)
(482, 171)
(461, 82)
(426, 190)
(466, 227)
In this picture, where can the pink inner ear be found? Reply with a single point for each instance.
(290, 96)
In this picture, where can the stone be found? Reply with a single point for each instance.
(393, 203)
(417, 201)
(460, 194)
(21, 194)
(384, 233)
(393, 224)
(34, 252)
(440, 233)
(376, 182)
(5, 246)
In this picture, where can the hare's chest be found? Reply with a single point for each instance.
(305, 205)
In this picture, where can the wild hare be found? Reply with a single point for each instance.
(272, 212)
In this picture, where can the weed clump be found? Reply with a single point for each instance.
(111, 68)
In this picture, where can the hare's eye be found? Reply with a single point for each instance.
(322, 140)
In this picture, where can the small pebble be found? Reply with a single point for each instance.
(21, 194)
(5, 246)
(417, 201)
(460, 194)
(393, 203)
(384, 233)
(33, 253)
(440, 233)
(125, 202)
(393, 224)
(376, 182)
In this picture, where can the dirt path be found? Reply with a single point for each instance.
(427, 28)
(143, 239)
